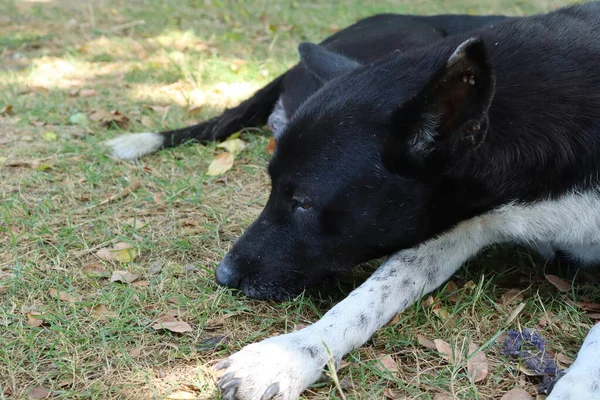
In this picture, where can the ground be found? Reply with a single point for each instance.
(74, 74)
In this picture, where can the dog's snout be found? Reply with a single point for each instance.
(227, 274)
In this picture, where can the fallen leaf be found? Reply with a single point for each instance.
(344, 364)
(7, 109)
(173, 326)
(477, 365)
(123, 276)
(515, 313)
(446, 352)
(550, 317)
(560, 284)
(136, 223)
(181, 395)
(442, 313)
(588, 306)
(190, 222)
(394, 320)
(195, 109)
(529, 372)
(234, 146)
(221, 164)
(124, 193)
(470, 285)
(50, 136)
(271, 146)
(159, 109)
(155, 267)
(388, 363)
(452, 289)
(593, 315)
(512, 295)
(560, 357)
(428, 302)
(146, 121)
(39, 392)
(122, 252)
(79, 119)
(101, 310)
(299, 327)
(109, 118)
(135, 353)
(34, 319)
(141, 284)
(87, 92)
(425, 342)
(95, 270)
(158, 199)
(516, 394)
(64, 296)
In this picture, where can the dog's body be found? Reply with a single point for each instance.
(435, 152)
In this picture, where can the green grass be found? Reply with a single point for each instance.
(53, 221)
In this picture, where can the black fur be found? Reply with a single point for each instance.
(352, 179)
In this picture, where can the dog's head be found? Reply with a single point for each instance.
(356, 168)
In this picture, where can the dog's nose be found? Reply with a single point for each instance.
(227, 274)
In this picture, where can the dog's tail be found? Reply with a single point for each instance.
(253, 112)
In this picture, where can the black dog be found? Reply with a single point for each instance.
(441, 150)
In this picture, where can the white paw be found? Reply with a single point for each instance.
(576, 386)
(280, 367)
(132, 146)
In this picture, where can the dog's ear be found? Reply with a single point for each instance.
(324, 64)
(450, 114)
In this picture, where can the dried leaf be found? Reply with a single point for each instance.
(39, 392)
(181, 395)
(428, 302)
(95, 270)
(7, 109)
(64, 296)
(425, 342)
(159, 109)
(271, 146)
(109, 118)
(446, 352)
(195, 109)
(592, 315)
(516, 394)
(101, 310)
(589, 306)
(221, 164)
(344, 364)
(190, 222)
(394, 320)
(158, 199)
(155, 267)
(560, 284)
(122, 252)
(136, 223)
(388, 363)
(394, 394)
(173, 326)
(141, 284)
(515, 313)
(234, 146)
(135, 353)
(563, 359)
(470, 285)
(146, 121)
(477, 365)
(87, 92)
(512, 295)
(34, 319)
(123, 276)
(442, 313)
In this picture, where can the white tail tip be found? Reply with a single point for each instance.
(132, 146)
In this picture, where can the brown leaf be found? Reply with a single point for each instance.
(95, 270)
(221, 164)
(39, 392)
(159, 109)
(190, 222)
(135, 353)
(560, 284)
(64, 296)
(158, 199)
(442, 313)
(146, 121)
(141, 284)
(560, 357)
(512, 295)
(469, 286)
(593, 315)
(195, 109)
(123, 276)
(428, 302)
(122, 252)
(515, 313)
(477, 365)
(446, 352)
(588, 306)
(173, 326)
(516, 394)
(271, 146)
(7, 109)
(109, 118)
(87, 92)
(452, 289)
(34, 319)
(101, 310)
(394, 394)
(387, 363)
(425, 342)
(394, 320)
(344, 364)
(549, 318)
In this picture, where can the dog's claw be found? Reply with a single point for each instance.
(230, 394)
(228, 381)
(271, 392)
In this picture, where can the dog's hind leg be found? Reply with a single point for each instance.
(253, 112)
(582, 379)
